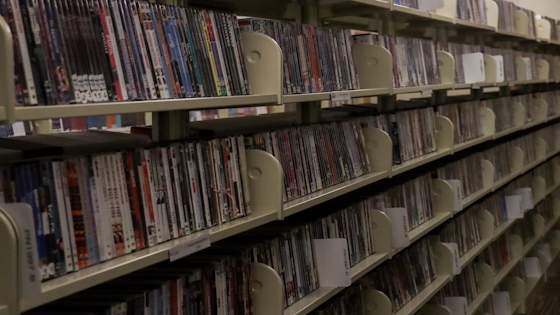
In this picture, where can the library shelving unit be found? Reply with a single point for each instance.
(374, 66)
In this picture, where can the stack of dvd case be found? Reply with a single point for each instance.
(496, 205)
(462, 230)
(316, 59)
(506, 10)
(472, 11)
(415, 131)
(205, 284)
(524, 228)
(508, 55)
(415, 195)
(500, 157)
(527, 144)
(503, 112)
(405, 276)
(414, 59)
(288, 248)
(316, 156)
(118, 50)
(465, 118)
(465, 284)
(524, 181)
(349, 302)
(468, 170)
(546, 208)
(497, 254)
(103, 206)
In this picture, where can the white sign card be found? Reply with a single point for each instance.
(30, 272)
(430, 5)
(189, 247)
(333, 262)
(399, 222)
(527, 62)
(473, 65)
(532, 267)
(501, 303)
(514, 207)
(526, 198)
(456, 304)
(457, 194)
(500, 77)
(455, 250)
(544, 248)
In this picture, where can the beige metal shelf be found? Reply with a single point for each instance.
(419, 161)
(113, 108)
(306, 202)
(477, 302)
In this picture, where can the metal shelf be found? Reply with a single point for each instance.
(113, 108)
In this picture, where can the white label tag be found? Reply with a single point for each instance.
(532, 267)
(426, 92)
(30, 273)
(333, 263)
(528, 65)
(430, 5)
(501, 303)
(457, 194)
(341, 96)
(526, 198)
(514, 207)
(500, 77)
(473, 65)
(456, 264)
(544, 248)
(189, 247)
(456, 304)
(399, 222)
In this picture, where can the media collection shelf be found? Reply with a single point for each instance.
(91, 276)
(374, 67)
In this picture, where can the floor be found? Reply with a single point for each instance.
(546, 298)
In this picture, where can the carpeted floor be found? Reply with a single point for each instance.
(545, 300)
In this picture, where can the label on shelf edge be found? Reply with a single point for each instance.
(189, 247)
(426, 92)
(340, 96)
